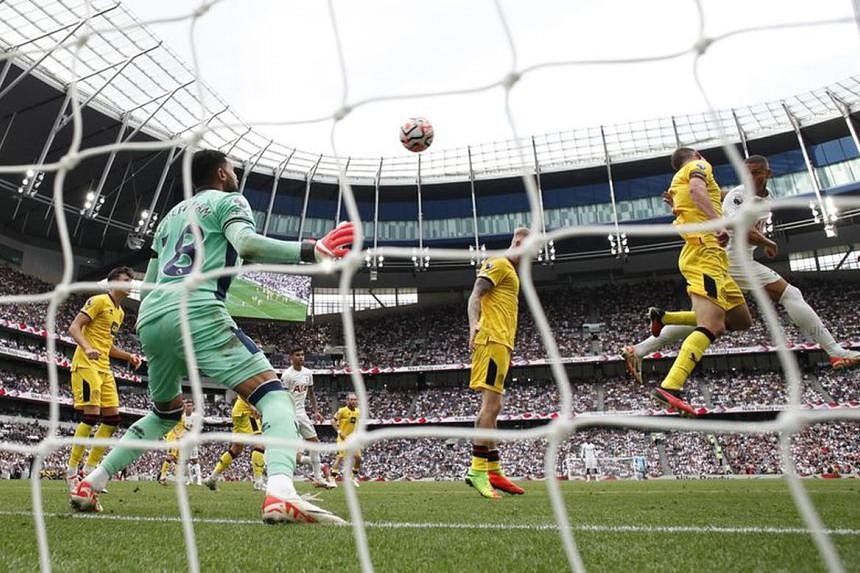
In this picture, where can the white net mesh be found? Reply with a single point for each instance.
(80, 29)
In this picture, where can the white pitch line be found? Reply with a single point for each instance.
(479, 526)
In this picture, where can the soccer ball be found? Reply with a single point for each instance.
(416, 134)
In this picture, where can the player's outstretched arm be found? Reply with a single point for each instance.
(256, 248)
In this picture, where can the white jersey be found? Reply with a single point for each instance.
(189, 420)
(587, 452)
(298, 382)
(732, 203)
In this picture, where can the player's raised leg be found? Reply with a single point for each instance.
(810, 324)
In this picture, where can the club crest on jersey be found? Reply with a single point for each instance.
(700, 166)
(738, 200)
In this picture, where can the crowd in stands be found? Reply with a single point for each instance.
(825, 448)
(523, 396)
(842, 386)
(438, 335)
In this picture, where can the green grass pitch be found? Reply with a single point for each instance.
(245, 291)
(444, 526)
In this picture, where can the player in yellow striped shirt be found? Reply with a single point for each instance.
(344, 422)
(93, 384)
(493, 307)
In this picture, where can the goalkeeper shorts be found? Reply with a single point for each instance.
(223, 352)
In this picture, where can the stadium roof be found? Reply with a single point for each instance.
(124, 70)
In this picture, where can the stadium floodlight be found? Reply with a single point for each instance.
(92, 205)
(146, 222)
(477, 256)
(373, 261)
(421, 259)
(618, 246)
(31, 182)
(546, 256)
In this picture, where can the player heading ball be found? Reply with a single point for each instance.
(224, 353)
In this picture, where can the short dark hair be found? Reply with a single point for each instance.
(757, 160)
(681, 156)
(295, 349)
(204, 164)
(118, 272)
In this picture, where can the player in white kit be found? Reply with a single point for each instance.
(299, 381)
(588, 453)
(777, 288)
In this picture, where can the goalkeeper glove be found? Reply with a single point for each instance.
(334, 245)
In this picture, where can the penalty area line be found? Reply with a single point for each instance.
(476, 526)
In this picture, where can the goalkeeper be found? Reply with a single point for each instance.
(223, 352)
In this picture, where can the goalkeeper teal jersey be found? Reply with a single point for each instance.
(173, 248)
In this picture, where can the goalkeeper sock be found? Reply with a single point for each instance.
(223, 463)
(151, 427)
(258, 463)
(479, 458)
(165, 468)
(83, 430)
(493, 463)
(680, 317)
(279, 421)
(96, 453)
(688, 357)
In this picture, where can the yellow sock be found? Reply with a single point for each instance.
(224, 462)
(165, 467)
(82, 431)
(479, 458)
(689, 355)
(680, 317)
(479, 464)
(104, 431)
(258, 463)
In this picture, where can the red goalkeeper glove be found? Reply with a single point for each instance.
(336, 243)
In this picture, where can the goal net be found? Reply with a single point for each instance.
(87, 26)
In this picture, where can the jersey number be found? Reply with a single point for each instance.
(183, 255)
